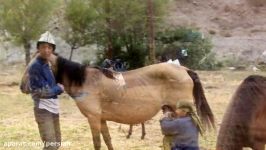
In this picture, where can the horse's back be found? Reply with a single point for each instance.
(145, 91)
(158, 80)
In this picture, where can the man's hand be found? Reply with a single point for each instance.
(61, 86)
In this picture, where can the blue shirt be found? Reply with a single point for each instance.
(42, 81)
(183, 130)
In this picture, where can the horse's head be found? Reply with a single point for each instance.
(73, 72)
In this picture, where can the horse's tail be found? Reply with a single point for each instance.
(202, 106)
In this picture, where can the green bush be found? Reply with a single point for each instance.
(171, 42)
(128, 48)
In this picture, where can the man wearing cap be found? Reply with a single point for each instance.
(183, 129)
(44, 91)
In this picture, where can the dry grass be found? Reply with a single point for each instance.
(17, 122)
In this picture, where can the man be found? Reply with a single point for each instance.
(169, 113)
(183, 129)
(44, 91)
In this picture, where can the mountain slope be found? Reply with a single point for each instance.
(237, 27)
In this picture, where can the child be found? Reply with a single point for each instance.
(168, 112)
(184, 128)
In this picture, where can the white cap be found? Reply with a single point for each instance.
(47, 37)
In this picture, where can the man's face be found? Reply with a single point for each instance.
(45, 50)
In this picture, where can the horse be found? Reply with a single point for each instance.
(243, 124)
(118, 66)
(101, 97)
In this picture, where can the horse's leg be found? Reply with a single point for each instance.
(129, 131)
(143, 131)
(95, 125)
(106, 135)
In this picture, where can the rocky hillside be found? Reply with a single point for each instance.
(237, 27)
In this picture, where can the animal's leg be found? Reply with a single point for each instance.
(95, 125)
(120, 128)
(129, 131)
(143, 131)
(106, 135)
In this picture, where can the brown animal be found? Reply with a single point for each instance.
(244, 123)
(100, 97)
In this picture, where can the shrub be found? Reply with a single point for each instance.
(199, 56)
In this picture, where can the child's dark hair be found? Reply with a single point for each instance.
(167, 108)
(39, 43)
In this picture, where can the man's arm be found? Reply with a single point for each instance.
(39, 86)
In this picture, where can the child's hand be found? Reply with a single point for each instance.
(167, 114)
(166, 108)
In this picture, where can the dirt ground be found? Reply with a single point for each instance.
(18, 130)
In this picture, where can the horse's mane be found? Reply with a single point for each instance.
(239, 114)
(75, 72)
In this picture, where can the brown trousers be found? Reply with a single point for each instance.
(49, 128)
